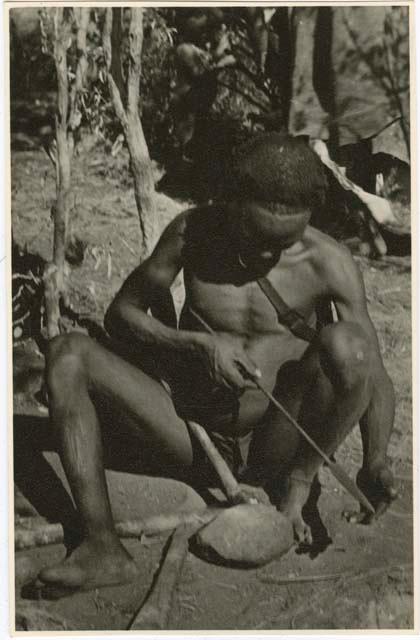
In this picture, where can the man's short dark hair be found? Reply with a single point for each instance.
(277, 168)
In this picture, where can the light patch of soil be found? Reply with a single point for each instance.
(373, 588)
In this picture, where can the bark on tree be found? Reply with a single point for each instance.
(125, 95)
(67, 119)
(54, 273)
(81, 17)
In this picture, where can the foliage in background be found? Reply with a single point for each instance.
(387, 62)
(243, 90)
(157, 77)
(122, 40)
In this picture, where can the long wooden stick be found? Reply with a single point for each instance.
(155, 610)
(228, 480)
(337, 471)
(45, 533)
(356, 574)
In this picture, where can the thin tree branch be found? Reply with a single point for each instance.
(135, 38)
(245, 95)
(128, 113)
(255, 79)
(106, 38)
(82, 17)
(116, 40)
(109, 57)
(62, 40)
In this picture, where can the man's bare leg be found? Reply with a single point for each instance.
(331, 391)
(80, 373)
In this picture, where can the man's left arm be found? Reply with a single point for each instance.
(349, 297)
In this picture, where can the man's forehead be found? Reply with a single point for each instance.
(274, 221)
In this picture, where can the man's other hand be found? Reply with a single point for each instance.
(228, 365)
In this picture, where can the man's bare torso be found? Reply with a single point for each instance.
(241, 312)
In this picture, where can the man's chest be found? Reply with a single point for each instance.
(244, 308)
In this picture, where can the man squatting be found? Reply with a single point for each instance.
(159, 376)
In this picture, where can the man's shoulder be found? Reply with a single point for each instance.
(194, 215)
(334, 264)
(187, 229)
(328, 252)
(179, 221)
(175, 229)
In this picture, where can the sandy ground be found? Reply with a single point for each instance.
(371, 585)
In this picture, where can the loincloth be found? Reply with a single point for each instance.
(222, 410)
(216, 409)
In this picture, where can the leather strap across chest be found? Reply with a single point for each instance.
(287, 316)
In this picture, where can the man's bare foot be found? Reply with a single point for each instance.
(291, 506)
(93, 564)
(378, 486)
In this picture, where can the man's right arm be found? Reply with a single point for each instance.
(128, 322)
(127, 319)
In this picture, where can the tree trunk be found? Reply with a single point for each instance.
(82, 17)
(306, 114)
(66, 121)
(128, 114)
(54, 274)
(144, 187)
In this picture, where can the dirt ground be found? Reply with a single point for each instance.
(363, 579)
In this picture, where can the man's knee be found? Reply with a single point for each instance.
(345, 354)
(66, 361)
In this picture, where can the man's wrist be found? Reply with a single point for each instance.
(197, 341)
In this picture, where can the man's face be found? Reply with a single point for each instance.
(263, 235)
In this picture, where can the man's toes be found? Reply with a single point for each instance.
(386, 479)
(302, 532)
(393, 493)
(307, 535)
(359, 517)
(353, 517)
